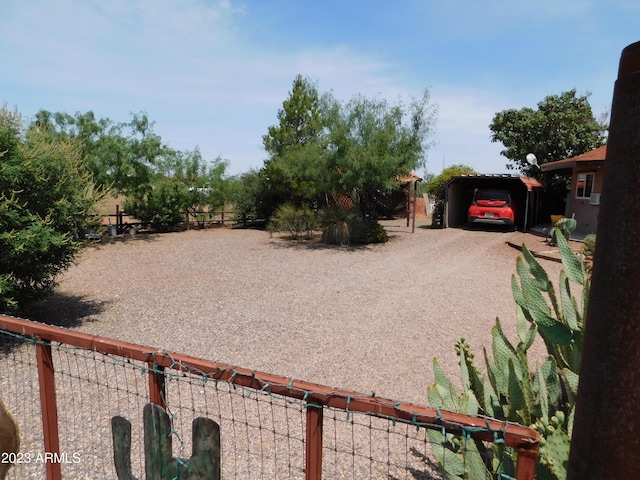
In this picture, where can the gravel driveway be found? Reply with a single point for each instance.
(368, 319)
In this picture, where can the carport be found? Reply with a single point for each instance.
(525, 191)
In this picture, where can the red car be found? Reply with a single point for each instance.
(494, 207)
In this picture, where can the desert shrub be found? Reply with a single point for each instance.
(161, 204)
(47, 200)
(247, 194)
(335, 225)
(300, 222)
(589, 245)
(347, 227)
(377, 233)
(544, 398)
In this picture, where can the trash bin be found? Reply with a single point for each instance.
(112, 230)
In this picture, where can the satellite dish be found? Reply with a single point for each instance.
(531, 159)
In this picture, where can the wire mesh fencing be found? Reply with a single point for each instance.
(64, 388)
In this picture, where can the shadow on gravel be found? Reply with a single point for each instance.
(431, 472)
(290, 244)
(59, 310)
(285, 241)
(64, 310)
(126, 238)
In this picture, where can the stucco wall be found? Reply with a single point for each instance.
(585, 213)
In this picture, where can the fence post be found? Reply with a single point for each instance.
(313, 445)
(49, 410)
(527, 462)
(605, 441)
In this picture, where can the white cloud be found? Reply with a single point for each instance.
(205, 80)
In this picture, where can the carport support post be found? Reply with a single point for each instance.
(605, 441)
(415, 204)
(526, 209)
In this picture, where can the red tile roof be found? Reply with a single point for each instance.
(597, 155)
(409, 178)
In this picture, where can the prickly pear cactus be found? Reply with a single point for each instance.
(541, 396)
(554, 447)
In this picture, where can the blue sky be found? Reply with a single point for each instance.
(213, 74)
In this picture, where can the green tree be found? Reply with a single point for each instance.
(563, 126)
(246, 194)
(294, 146)
(181, 182)
(120, 156)
(299, 119)
(47, 200)
(322, 148)
(372, 143)
(160, 184)
(435, 187)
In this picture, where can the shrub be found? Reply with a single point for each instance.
(544, 398)
(162, 204)
(347, 227)
(377, 233)
(247, 190)
(299, 221)
(47, 200)
(589, 245)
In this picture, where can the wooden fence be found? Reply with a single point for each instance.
(64, 385)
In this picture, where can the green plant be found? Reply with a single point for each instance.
(541, 396)
(589, 245)
(47, 200)
(299, 221)
(161, 204)
(565, 227)
(347, 227)
(377, 233)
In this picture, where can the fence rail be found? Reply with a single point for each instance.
(197, 218)
(304, 420)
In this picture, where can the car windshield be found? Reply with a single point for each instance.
(500, 195)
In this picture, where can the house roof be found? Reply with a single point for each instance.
(594, 156)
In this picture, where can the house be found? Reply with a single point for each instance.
(583, 200)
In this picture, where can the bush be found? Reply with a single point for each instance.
(347, 227)
(47, 200)
(589, 245)
(299, 221)
(162, 205)
(247, 190)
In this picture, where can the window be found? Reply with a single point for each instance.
(585, 185)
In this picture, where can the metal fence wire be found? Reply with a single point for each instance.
(64, 388)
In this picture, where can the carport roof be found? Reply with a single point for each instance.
(530, 183)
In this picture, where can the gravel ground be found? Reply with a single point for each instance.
(367, 319)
